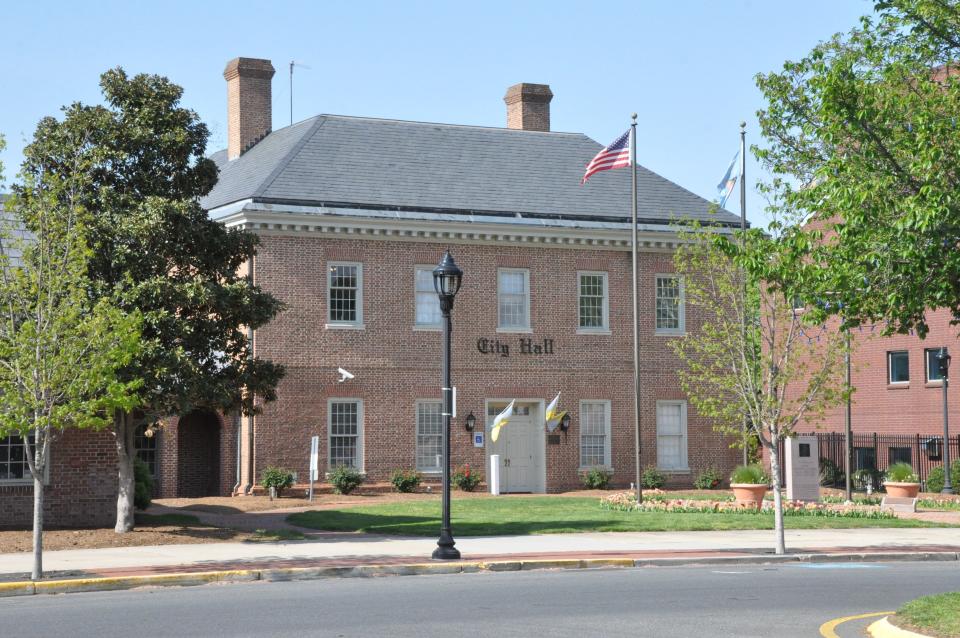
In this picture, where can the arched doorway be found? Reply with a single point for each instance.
(198, 455)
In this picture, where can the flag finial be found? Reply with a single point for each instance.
(743, 125)
(633, 116)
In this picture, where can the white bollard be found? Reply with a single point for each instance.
(494, 474)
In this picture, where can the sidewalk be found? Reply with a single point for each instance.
(346, 554)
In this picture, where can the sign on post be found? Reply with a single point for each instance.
(314, 462)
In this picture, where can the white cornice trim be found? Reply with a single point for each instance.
(270, 219)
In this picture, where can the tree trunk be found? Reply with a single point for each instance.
(37, 572)
(777, 499)
(123, 426)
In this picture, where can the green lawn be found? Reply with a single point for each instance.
(549, 515)
(934, 615)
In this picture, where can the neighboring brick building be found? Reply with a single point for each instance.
(353, 213)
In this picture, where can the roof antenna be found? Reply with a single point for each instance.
(294, 63)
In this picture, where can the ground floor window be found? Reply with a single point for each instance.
(672, 435)
(865, 458)
(429, 435)
(13, 460)
(345, 427)
(900, 455)
(146, 448)
(594, 433)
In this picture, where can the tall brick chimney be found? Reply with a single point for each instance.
(249, 107)
(528, 106)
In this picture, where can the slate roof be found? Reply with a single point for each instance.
(334, 160)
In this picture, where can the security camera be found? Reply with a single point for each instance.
(344, 375)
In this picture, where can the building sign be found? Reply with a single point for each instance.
(523, 345)
(478, 439)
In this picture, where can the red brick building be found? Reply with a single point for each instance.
(354, 212)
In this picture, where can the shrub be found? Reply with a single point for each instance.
(935, 478)
(830, 473)
(653, 479)
(142, 485)
(466, 480)
(345, 479)
(405, 480)
(901, 473)
(708, 479)
(596, 479)
(277, 478)
(750, 475)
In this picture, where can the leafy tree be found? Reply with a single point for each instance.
(863, 133)
(752, 354)
(140, 173)
(60, 351)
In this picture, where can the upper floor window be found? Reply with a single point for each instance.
(669, 305)
(593, 303)
(427, 302)
(344, 294)
(933, 364)
(513, 298)
(898, 367)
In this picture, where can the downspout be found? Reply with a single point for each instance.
(249, 489)
(236, 485)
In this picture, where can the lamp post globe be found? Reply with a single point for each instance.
(943, 362)
(447, 277)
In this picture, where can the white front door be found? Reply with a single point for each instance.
(517, 447)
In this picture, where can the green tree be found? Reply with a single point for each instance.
(140, 174)
(863, 132)
(753, 355)
(60, 351)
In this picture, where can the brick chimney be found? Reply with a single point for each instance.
(249, 107)
(528, 106)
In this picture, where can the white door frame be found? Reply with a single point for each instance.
(540, 445)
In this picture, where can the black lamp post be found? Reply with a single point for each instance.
(446, 281)
(943, 362)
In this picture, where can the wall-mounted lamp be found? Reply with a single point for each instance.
(471, 422)
(565, 422)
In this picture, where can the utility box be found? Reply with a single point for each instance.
(802, 464)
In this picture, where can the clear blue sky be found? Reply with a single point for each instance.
(686, 67)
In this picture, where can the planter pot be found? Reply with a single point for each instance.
(902, 490)
(749, 494)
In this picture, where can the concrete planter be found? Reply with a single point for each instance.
(902, 490)
(749, 494)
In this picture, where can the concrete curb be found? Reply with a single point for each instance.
(28, 588)
(883, 628)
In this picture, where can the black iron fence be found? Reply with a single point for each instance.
(872, 454)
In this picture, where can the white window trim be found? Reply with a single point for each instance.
(890, 380)
(416, 435)
(360, 434)
(357, 324)
(608, 448)
(28, 480)
(927, 354)
(526, 284)
(430, 327)
(686, 436)
(671, 332)
(605, 328)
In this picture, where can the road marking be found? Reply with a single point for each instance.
(827, 628)
(720, 572)
(840, 566)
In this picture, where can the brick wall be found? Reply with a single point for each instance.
(395, 365)
(82, 490)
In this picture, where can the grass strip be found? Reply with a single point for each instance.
(937, 615)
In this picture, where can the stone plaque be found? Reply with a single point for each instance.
(553, 439)
(802, 464)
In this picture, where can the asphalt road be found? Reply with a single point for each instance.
(776, 601)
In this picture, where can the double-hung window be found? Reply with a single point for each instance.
(345, 428)
(594, 434)
(592, 302)
(429, 435)
(898, 367)
(13, 461)
(146, 447)
(669, 305)
(933, 364)
(426, 302)
(672, 435)
(513, 299)
(344, 295)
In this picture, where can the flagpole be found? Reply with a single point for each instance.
(743, 230)
(636, 338)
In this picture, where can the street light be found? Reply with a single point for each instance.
(446, 281)
(943, 362)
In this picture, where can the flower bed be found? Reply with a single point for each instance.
(654, 502)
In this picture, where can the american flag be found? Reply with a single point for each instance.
(617, 155)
